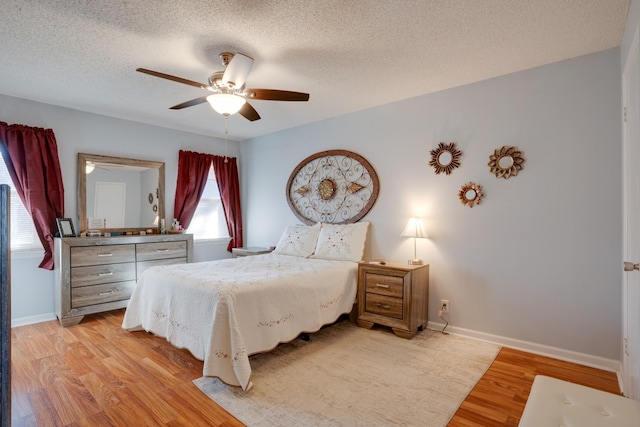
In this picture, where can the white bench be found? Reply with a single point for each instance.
(557, 403)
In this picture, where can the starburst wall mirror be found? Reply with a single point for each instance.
(506, 162)
(445, 158)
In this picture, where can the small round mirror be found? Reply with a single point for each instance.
(470, 194)
(445, 158)
(505, 162)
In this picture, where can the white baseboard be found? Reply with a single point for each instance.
(540, 349)
(30, 320)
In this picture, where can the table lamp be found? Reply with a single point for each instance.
(414, 229)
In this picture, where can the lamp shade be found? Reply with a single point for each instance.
(226, 103)
(414, 228)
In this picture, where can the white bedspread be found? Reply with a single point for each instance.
(224, 311)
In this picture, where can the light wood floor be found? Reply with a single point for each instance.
(96, 374)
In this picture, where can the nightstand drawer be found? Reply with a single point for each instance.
(384, 285)
(385, 306)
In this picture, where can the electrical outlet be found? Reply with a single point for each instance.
(444, 305)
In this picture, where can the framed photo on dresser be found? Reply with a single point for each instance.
(65, 227)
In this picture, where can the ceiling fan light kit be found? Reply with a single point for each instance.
(229, 95)
(226, 104)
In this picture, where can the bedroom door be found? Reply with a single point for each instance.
(631, 209)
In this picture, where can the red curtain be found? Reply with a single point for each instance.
(226, 170)
(31, 156)
(193, 169)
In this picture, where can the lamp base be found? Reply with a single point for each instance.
(415, 262)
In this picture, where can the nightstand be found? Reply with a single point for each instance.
(394, 295)
(240, 252)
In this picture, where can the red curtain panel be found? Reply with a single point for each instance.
(31, 156)
(226, 170)
(193, 169)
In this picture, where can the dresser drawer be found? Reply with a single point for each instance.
(142, 266)
(384, 285)
(162, 250)
(385, 306)
(100, 274)
(99, 255)
(98, 294)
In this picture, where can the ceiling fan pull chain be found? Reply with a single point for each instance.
(226, 132)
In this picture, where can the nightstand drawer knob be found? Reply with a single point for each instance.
(385, 306)
(380, 285)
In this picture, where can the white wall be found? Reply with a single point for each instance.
(81, 132)
(539, 259)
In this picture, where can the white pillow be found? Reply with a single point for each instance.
(298, 240)
(343, 242)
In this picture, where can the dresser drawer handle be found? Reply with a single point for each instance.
(162, 250)
(108, 273)
(380, 285)
(107, 254)
(385, 306)
(101, 294)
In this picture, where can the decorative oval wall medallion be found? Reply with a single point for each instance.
(445, 158)
(470, 194)
(334, 186)
(506, 162)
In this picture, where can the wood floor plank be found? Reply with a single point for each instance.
(96, 374)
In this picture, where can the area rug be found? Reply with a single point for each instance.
(350, 376)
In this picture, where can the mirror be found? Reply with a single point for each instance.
(119, 194)
(506, 162)
(470, 194)
(445, 158)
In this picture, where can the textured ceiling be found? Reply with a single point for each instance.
(349, 55)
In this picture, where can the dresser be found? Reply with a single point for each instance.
(96, 274)
(394, 295)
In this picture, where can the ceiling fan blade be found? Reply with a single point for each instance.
(276, 95)
(191, 103)
(237, 71)
(170, 77)
(249, 113)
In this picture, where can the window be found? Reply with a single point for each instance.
(208, 221)
(23, 232)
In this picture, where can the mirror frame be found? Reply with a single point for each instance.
(445, 148)
(516, 162)
(470, 186)
(83, 158)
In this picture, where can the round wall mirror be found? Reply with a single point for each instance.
(506, 162)
(445, 158)
(470, 194)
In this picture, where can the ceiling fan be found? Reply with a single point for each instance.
(229, 95)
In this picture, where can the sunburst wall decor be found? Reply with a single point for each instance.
(470, 194)
(445, 158)
(506, 162)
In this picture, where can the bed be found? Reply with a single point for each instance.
(224, 311)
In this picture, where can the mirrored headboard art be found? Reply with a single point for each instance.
(117, 194)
